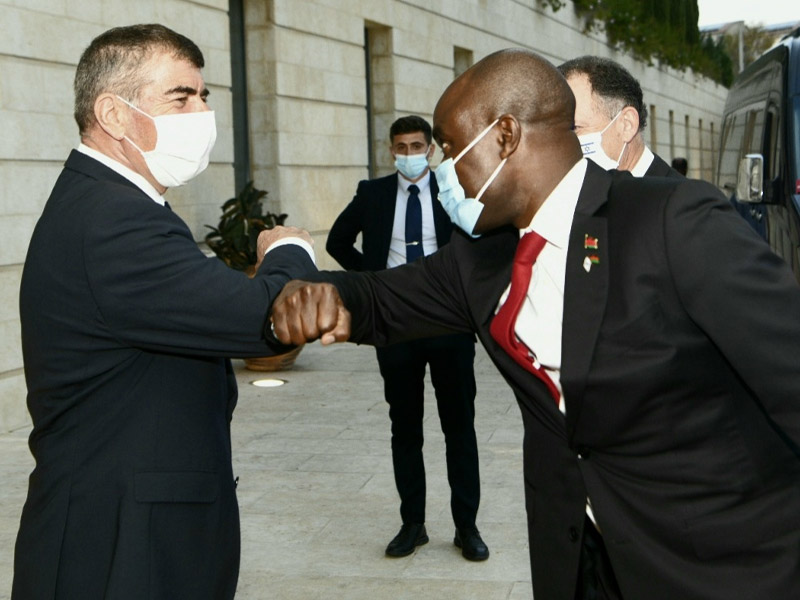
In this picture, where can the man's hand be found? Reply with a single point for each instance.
(304, 312)
(269, 236)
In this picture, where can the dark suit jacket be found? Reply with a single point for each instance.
(125, 330)
(371, 213)
(660, 168)
(680, 374)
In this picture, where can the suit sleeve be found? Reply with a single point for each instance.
(741, 294)
(422, 299)
(156, 290)
(345, 230)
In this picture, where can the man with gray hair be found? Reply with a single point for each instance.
(126, 326)
(610, 117)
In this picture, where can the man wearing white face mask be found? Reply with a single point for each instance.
(610, 117)
(126, 326)
(400, 220)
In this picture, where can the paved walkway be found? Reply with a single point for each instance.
(317, 495)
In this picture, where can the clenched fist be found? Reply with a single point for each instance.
(305, 311)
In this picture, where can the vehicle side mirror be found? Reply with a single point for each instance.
(750, 179)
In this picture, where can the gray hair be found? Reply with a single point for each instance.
(113, 63)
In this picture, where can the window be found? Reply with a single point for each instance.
(379, 109)
(671, 134)
(462, 60)
(653, 135)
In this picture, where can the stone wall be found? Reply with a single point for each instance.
(308, 98)
(40, 44)
(312, 133)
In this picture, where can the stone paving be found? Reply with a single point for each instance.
(317, 496)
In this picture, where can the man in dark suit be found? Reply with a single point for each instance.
(611, 116)
(400, 221)
(652, 347)
(126, 326)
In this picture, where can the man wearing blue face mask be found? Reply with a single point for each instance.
(661, 413)
(400, 220)
(126, 326)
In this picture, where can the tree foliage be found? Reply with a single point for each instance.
(665, 30)
(755, 41)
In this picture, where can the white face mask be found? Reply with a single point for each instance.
(591, 144)
(463, 211)
(183, 145)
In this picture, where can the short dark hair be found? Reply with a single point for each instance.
(680, 165)
(410, 124)
(615, 86)
(113, 61)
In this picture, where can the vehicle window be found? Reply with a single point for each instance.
(753, 131)
(772, 143)
(742, 134)
(729, 157)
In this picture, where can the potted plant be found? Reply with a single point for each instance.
(234, 240)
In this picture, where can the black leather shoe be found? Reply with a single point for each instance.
(471, 544)
(411, 535)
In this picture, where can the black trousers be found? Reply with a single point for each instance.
(596, 579)
(402, 367)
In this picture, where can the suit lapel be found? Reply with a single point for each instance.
(441, 221)
(585, 290)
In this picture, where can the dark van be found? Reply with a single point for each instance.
(759, 159)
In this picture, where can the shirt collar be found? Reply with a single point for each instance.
(127, 173)
(553, 220)
(644, 162)
(423, 184)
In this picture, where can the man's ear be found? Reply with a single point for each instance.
(511, 133)
(630, 123)
(109, 115)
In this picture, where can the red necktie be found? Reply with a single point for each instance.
(502, 326)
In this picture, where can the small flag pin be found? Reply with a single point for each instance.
(591, 259)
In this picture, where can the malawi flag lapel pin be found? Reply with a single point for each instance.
(590, 243)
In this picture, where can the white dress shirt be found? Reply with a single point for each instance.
(397, 247)
(539, 321)
(541, 316)
(127, 173)
(644, 162)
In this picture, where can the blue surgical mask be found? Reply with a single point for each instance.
(411, 165)
(462, 211)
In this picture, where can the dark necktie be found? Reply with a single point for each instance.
(502, 327)
(167, 206)
(413, 225)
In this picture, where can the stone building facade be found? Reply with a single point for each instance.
(304, 92)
